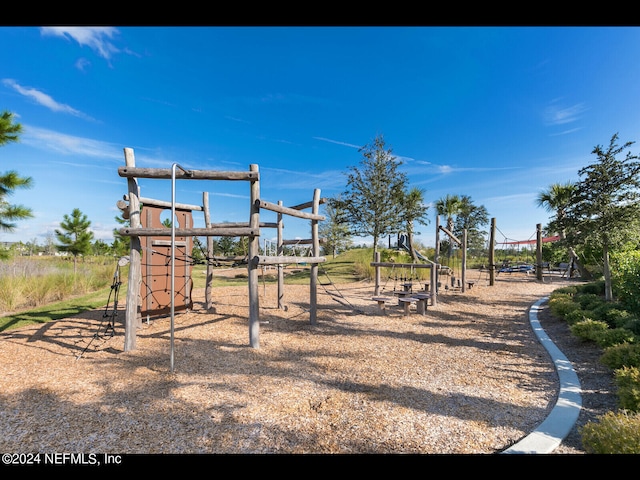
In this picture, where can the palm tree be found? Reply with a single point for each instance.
(556, 199)
(414, 210)
(449, 206)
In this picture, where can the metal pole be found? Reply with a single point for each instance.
(173, 250)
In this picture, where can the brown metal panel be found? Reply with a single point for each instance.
(155, 288)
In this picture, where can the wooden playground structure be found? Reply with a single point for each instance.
(158, 299)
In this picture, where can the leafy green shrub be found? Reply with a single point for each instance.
(589, 330)
(633, 324)
(623, 355)
(561, 305)
(569, 291)
(588, 301)
(614, 336)
(577, 315)
(628, 382)
(612, 433)
(625, 278)
(613, 314)
(594, 288)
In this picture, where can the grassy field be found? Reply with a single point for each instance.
(38, 290)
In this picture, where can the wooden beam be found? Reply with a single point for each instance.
(285, 259)
(289, 211)
(190, 232)
(136, 172)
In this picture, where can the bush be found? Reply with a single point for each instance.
(612, 314)
(593, 288)
(568, 291)
(628, 382)
(589, 330)
(613, 433)
(614, 336)
(633, 324)
(577, 315)
(623, 355)
(589, 301)
(561, 305)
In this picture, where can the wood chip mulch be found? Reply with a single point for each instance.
(468, 377)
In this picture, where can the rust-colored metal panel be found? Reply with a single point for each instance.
(155, 289)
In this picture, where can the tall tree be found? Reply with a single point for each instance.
(605, 207)
(557, 199)
(372, 202)
(11, 180)
(74, 235)
(471, 217)
(414, 211)
(335, 234)
(449, 206)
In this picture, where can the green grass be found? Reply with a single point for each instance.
(348, 267)
(58, 310)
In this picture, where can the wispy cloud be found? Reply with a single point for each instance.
(556, 114)
(337, 142)
(43, 99)
(98, 39)
(69, 144)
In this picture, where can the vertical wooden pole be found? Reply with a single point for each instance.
(133, 286)
(376, 290)
(279, 252)
(464, 260)
(492, 253)
(254, 251)
(208, 289)
(436, 258)
(539, 252)
(313, 283)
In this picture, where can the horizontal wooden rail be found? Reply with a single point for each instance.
(274, 207)
(302, 206)
(403, 265)
(189, 232)
(137, 172)
(281, 260)
(164, 203)
(303, 241)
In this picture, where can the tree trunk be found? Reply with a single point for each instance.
(412, 251)
(608, 291)
(584, 273)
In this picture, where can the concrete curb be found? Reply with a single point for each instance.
(550, 433)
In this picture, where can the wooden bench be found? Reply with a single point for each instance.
(406, 304)
(421, 304)
(381, 303)
(401, 294)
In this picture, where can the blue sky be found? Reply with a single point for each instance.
(496, 113)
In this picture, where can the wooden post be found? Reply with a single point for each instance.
(492, 253)
(313, 283)
(254, 250)
(207, 221)
(464, 260)
(539, 252)
(279, 253)
(133, 286)
(434, 287)
(376, 290)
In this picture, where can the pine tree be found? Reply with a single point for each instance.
(74, 235)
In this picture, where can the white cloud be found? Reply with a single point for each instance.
(43, 99)
(96, 38)
(69, 144)
(556, 114)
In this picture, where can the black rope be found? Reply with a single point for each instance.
(109, 330)
(356, 310)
